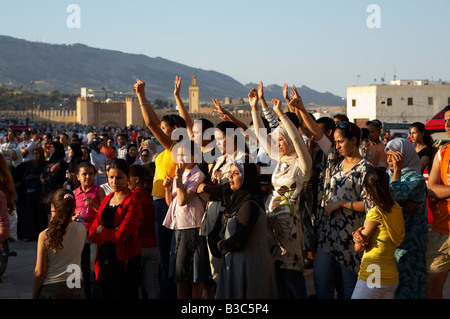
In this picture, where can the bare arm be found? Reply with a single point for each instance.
(40, 271)
(362, 235)
(150, 117)
(309, 122)
(435, 188)
(184, 113)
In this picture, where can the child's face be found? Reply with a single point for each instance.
(184, 155)
(86, 176)
(374, 133)
(133, 182)
(117, 180)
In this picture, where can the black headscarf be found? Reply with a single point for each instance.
(59, 153)
(250, 189)
(76, 158)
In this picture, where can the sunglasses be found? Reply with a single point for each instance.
(342, 125)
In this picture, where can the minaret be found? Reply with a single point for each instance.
(194, 100)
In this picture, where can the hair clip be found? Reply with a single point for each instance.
(68, 195)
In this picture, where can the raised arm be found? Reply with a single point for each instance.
(150, 117)
(184, 113)
(305, 160)
(265, 141)
(227, 116)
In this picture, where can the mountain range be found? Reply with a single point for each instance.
(68, 67)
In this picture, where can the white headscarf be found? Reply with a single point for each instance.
(402, 145)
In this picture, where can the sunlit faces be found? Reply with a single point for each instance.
(117, 180)
(220, 139)
(235, 178)
(197, 134)
(416, 135)
(447, 122)
(167, 128)
(343, 144)
(85, 176)
(390, 158)
(283, 146)
(132, 151)
(374, 133)
(184, 156)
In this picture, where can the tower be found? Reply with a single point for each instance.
(194, 99)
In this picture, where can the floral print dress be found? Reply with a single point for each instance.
(335, 232)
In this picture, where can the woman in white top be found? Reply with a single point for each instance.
(289, 178)
(58, 265)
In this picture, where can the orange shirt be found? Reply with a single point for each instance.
(441, 222)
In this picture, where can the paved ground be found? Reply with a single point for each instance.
(17, 282)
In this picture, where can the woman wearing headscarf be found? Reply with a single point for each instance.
(247, 270)
(289, 178)
(408, 188)
(54, 175)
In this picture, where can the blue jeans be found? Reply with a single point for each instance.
(291, 284)
(329, 275)
(163, 239)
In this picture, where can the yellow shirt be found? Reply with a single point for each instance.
(164, 166)
(379, 258)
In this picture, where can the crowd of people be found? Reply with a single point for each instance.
(231, 211)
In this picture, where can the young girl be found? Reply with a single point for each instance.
(383, 231)
(88, 198)
(59, 246)
(115, 231)
(190, 263)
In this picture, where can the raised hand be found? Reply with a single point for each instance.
(286, 92)
(253, 99)
(219, 109)
(139, 87)
(294, 93)
(277, 107)
(177, 85)
(168, 183)
(297, 103)
(260, 90)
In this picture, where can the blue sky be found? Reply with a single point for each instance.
(323, 44)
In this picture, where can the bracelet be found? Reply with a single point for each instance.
(144, 104)
(351, 205)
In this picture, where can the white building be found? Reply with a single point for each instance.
(401, 101)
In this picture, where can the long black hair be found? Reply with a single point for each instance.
(427, 139)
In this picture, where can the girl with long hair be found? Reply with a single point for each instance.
(59, 246)
(382, 233)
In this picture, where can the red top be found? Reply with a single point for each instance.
(147, 233)
(125, 237)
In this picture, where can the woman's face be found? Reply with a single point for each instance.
(86, 176)
(283, 147)
(132, 151)
(52, 149)
(117, 180)
(70, 151)
(85, 154)
(167, 128)
(343, 144)
(145, 156)
(235, 178)
(220, 139)
(416, 135)
(197, 135)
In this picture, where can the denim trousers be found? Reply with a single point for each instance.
(163, 239)
(330, 277)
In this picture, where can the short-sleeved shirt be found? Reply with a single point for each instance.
(164, 166)
(190, 215)
(382, 247)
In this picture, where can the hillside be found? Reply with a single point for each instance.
(67, 68)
